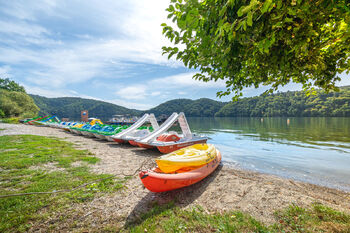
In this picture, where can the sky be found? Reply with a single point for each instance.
(107, 50)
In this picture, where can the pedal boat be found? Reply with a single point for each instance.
(171, 141)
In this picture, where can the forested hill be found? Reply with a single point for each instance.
(71, 107)
(294, 103)
(200, 107)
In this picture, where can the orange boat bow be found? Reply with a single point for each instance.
(119, 140)
(161, 182)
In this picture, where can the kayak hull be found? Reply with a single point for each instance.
(162, 182)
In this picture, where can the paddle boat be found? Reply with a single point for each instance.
(48, 121)
(137, 130)
(31, 122)
(167, 142)
(100, 134)
(181, 168)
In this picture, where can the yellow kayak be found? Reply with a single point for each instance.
(192, 156)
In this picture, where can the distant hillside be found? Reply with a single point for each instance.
(291, 103)
(72, 106)
(201, 107)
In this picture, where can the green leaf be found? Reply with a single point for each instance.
(250, 19)
(181, 24)
(266, 6)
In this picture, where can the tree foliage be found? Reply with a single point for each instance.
(267, 42)
(16, 104)
(293, 104)
(10, 85)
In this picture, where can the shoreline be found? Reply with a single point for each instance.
(228, 188)
(342, 187)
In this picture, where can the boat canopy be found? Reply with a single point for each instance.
(147, 117)
(180, 117)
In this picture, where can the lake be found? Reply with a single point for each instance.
(313, 149)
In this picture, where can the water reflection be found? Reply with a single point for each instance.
(309, 149)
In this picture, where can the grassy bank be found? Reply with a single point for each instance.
(169, 218)
(11, 120)
(41, 164)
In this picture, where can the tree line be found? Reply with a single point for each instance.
(291, 103)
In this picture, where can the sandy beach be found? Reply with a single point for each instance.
(227, 188)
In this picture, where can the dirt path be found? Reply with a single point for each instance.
(226, 189)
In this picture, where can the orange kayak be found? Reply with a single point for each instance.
(156, 181)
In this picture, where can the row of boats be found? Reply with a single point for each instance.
(187, 160)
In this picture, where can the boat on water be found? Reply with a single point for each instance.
(181, 168)
(137, 130)
(167, 142)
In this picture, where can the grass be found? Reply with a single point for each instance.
(169, 218)
(39, 164)
(2, 129)
(11, 120)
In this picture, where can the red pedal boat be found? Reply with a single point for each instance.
(169, 142)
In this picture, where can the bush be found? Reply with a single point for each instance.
(17, 104)
(11, 120)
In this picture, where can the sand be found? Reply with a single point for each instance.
(259, 195)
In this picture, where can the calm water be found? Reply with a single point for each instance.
(315, 150)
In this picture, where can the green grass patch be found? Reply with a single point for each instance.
(40, 164)
(11, 120)
(2, 129)
(169, 218)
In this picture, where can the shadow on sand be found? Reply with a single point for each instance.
(180, 197)
(137, 150)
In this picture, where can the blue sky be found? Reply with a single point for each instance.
(108, 50)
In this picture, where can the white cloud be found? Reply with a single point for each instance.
(155, 93)
(186, 80)
(132, 92)
(5, 71)
(22, 29)
(36, 90)
(130, 30)
(131, 104)
(166, 87)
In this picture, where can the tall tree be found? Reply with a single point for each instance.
(267, 42)
(10, 85)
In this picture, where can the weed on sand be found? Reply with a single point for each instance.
(40, 164)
